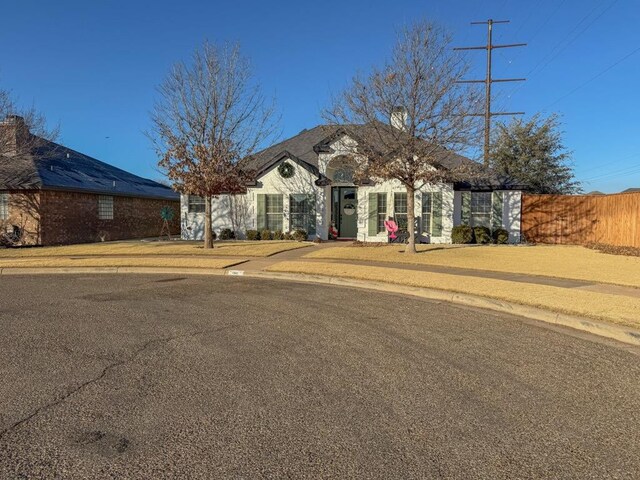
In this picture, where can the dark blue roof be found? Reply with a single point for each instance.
(53, 166)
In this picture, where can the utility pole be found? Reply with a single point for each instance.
(489, 47)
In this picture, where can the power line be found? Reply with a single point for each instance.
(561, 46)
(618, 62)
(544, 23)
(573, 39)
(608, 165)
(528, 17)
(616, 173)
(488, 81)
(561, 42)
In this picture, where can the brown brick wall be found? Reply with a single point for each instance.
(24, 212)
(70, 217)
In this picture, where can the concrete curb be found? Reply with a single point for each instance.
(89, 270)
(622, 334)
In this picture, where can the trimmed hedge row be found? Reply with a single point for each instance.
(298, 235)
(482, 235)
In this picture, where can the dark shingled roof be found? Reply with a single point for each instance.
(302, 146)
(55, 167)
(308, 143)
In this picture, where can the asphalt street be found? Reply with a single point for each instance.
(127, 376)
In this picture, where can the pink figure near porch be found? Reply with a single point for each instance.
(392, 228)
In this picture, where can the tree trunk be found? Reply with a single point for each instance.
(411, 220)
(208, 227)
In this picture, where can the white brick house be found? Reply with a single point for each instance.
(320, 194)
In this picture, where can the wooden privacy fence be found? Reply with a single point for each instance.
(579, 219)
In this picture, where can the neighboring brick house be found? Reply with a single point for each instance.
(51, 195)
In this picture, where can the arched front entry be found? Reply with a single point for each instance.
(344, 196)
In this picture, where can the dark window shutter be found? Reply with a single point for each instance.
(261, 212)
(466, 208)
(311, 229)
(497, 200)
(373, 214)
(436, 230)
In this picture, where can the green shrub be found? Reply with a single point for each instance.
(214, 235)
(500, 236)
(252, 235)
(288, 236)
(462, 234)
(265, 234)
(278, 235)
(299, 235)
(482, 235)
(227, 234)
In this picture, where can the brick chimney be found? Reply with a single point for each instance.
(14, 134)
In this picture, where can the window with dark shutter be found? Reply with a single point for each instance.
(481, 209)
(303, 212)
(400, 209)
(273, 212)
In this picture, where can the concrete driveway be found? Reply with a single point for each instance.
(171, 377)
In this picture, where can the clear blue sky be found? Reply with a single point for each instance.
(93, 66)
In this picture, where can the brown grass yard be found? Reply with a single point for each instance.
(600, 306)
(113, 261)
(562, 261)
(223, 249)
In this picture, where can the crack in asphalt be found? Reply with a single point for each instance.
(102, 374)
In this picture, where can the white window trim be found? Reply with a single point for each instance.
(485, 215)
(200, 201)
(273, 215)
(429, 228)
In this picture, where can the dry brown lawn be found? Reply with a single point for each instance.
(600, 306)
(222, 249)
(562, 261)
(114, 261)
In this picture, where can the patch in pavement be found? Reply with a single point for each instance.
(103, 443)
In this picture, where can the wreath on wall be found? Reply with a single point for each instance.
(286, 170)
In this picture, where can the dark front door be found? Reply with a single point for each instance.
(348, 212)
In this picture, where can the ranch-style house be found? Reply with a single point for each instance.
(307, 182)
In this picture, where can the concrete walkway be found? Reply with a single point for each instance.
(262, 263)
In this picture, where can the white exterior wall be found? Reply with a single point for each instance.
(393, 186)
(242, 208)
(192, 224)
(512, 213)
(238, 212)
(303, 181)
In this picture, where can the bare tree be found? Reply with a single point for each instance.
(211, 113)
(238, 213)
(413, 112)
(21, 129)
